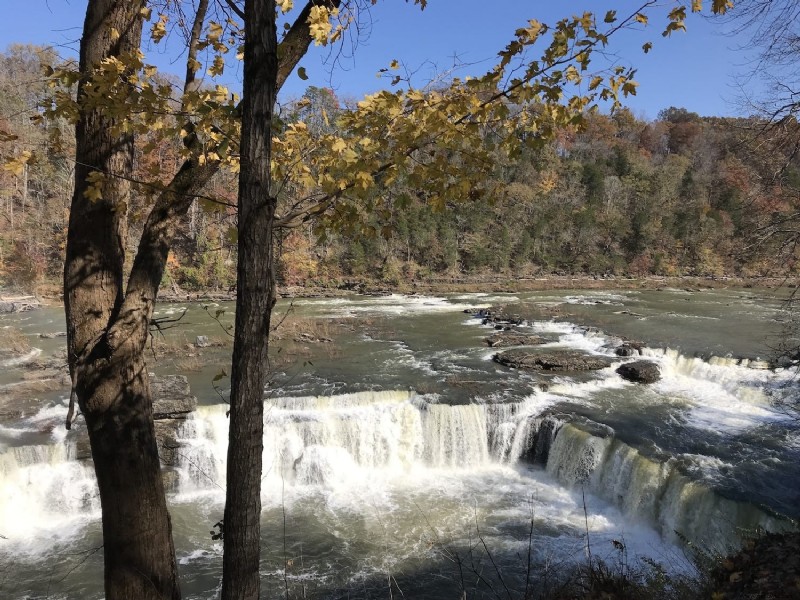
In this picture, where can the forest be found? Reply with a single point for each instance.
(683, 194)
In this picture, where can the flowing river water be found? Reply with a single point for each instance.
(400, 458)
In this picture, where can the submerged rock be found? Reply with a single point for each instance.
(629, 349)
(640, 371)
(505, 339)
(552, 361)
(497, 317)
(53, 335)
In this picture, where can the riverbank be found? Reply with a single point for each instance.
(51, 293)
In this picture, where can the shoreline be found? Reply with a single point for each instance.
(50, 294)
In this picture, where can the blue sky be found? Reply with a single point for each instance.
(696, 70)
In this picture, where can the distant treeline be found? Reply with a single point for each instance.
(680, 195)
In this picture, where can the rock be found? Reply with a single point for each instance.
(310, 339)
(50, 336)
(640, 371)
(172, 405)
(553, 361)
(498, 318)
(503, 340)
(170, 477)
(629, 349)
(18, 304)
(172, 397)
(201, 341)
(168, 444)
(60, 376)
(540, 443)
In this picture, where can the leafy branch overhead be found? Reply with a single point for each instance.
(433, 137)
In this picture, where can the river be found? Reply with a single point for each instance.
(400, 458)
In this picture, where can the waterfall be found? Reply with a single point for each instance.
(328, 440)
(43, 489)
(454, 436)
(654, 492)
(517, 430)
(372, 437)
(743, 379)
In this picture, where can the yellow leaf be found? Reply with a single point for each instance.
(17, 164)
(214, 31)
(629, 88)
(93, 193)
(364, 179)
(217, 67)
(319, 24)
(159, 29)
(721, 6)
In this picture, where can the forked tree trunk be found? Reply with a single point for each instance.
(107, 327)
(254, 302)
(106, 337)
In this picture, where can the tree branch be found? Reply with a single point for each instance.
(232, 5)
(175, 200)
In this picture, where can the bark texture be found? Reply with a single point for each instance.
(254, 302)
(106, 335)
(108, 323)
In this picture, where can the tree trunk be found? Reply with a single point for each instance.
(106, 337)
(254, 303)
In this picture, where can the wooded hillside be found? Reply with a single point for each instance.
(681, 195)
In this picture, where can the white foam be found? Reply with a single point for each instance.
(21, 360)
(397, 304)
(721, 394)
(44, 495)
(559, 327)
(596, 298)
(606, 379)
